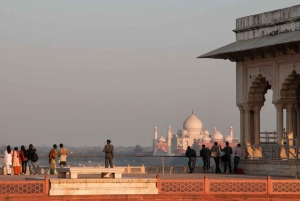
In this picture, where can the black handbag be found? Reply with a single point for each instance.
(224, 158)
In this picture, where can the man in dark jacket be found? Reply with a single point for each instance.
(31, 162)
(191, 154)
(227, 161)
(205, 154)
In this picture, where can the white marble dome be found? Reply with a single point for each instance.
(206, 132)
(217, 136)
(161, 139)
(184, 132)
(179, 132)
(206, 138)
(192, 124)
(228, 138)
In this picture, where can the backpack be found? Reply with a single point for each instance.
(240, 171)
(35, 157)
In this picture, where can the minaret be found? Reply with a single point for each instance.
(169, 139)
(231, 132)
(155, 141)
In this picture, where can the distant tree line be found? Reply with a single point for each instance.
(43, 151)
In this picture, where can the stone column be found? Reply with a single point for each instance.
(297, 108)
(242, 126)
(248, 134)
(289, 124)
(279, 124)
(257, 149)
(298, 125)
(295, 124)
(257, 125)
(290, 132)
(251, 127)
(247, 127)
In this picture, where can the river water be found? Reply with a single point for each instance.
(121, 161)
(124, 161)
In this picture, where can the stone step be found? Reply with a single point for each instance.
(102, 186)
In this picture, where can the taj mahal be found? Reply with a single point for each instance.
(192, 134)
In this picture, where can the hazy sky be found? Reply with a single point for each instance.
(79, 72)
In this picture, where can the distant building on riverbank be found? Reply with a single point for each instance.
(138, 151)
(191, 135)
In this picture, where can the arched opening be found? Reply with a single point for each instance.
(268, 128)
(289, 138)
(290, 99)
(256, 100)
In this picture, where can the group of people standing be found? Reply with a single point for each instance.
(18, 160)
(215, 153)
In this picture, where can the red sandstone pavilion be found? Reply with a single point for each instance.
(267, 56)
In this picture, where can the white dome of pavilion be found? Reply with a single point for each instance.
(206, 138)
(162, 139)
(179, 132)
(184, 132)
(217, 136)
(192, 124)
(206, 132)
(228, 138)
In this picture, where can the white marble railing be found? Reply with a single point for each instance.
(128, 169)
(159, 169)
(40, 170)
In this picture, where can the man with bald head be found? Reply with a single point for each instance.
(109, 154)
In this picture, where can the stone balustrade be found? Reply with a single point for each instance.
(274, 167)
(128, 169)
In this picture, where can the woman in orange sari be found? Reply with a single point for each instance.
(52, 156)
(16, 161)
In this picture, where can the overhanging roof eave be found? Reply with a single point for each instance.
(252, 44)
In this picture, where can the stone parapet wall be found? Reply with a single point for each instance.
(268, 23)
(159, 197)
(290, 168)
(172, 188)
